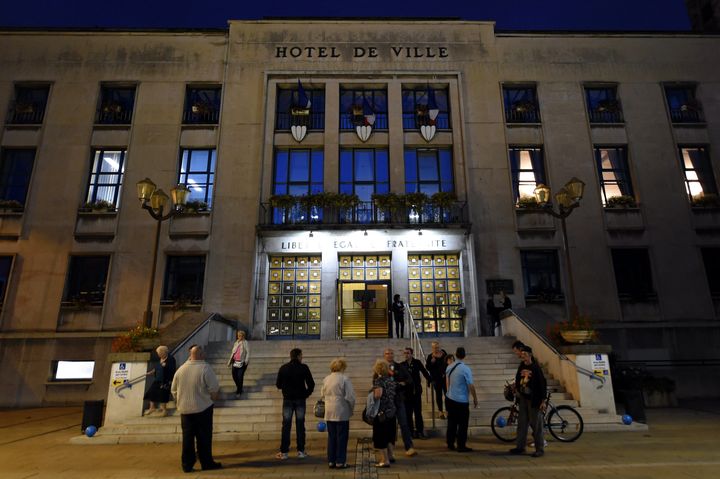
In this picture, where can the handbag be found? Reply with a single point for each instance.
(319, 408)
(238, 364)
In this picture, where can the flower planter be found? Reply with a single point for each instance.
(189, 225)
(96, 225)
(11, 222)
(577, 337)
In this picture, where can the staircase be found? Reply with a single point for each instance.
(257, 415)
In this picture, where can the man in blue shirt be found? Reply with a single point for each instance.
(459, 387)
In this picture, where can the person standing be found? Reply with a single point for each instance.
(238, 361)
(436, 366)
(531, 388)
(194, 387)
(337, 390)
(296, 382)
(384, 425)
(159, 391)
(398, 311)
(400, 375)
(413, 394)
(460, 386)
(493, 314)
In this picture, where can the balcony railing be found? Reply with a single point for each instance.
(201, 116)
(113, 116)
(598, 116)
(346, 121)
(316, 121)
(365, 213)
(410, 121)
(687, 115)
(26, 113)
(514, 115)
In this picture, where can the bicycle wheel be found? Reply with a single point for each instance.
(565, 423)
(504, 424)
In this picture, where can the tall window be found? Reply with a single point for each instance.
(86, 279)
(521, 104)
(294, 287)
(541, 277)
(6, 263)
(428, 170)
(633, 274)
(603, 105)
(364, 171)
(528, 170)
(435, 293)
(106, 176)
(202, 105)
(699, 177)
(184, 277)
(362, 99)
(16, 167)
(29, 105)
(298, 172)
(683, 105)
(614, 173)
(116, 105)
(288, 97)
(416, 101)
(197, 171)
(711, 260)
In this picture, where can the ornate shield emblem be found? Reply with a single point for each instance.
(426, 115)
(300, 114)
(363, 118)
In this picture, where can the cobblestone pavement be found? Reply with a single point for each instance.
(681, 443)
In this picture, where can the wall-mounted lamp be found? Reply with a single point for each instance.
(365, 233)
(311, 234)
(419, 232)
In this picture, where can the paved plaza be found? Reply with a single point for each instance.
(681, 443)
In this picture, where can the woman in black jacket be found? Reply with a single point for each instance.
(531, 393)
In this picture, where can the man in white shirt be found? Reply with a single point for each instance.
(194, 387)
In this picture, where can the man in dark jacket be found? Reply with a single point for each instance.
(531, 393)
(436, 366)
(401, 377)
(296, 382)
(413, 394)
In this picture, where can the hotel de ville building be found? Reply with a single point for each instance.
(329, 165)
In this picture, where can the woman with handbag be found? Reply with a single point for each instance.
(339, 396)
(239, 360)
(159, 391)
(384, 427)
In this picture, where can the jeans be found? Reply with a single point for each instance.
(399, 328)
(290, 406)
(529, 416)
(338, 433)
(404, 427)
(440, 390)
(238, 375)
(413, 406)
(197, 427)
(457, 422)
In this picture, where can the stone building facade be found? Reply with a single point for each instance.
(258, 116)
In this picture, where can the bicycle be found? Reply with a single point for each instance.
(564, 422)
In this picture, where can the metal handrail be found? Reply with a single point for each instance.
(590, 374)
(416, 346)
(128, 384)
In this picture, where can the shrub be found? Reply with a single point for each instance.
(704, 200)
(527, 202)
(622, 201)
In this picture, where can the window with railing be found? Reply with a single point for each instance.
(184, 279)
(297, 172)
(700, 182)
(603, 104)
(363, 172)
(86, 279)
(16, 166)
(197, 172)
(683, 105)
(633, 274)
(356, 104)
(521, 104)
(116, 105)
(202, 105)
(541, 274)
(289, 113)
(614, 174)
(28, 106)
(428, 170)
(527, 168)
(423, 105)
(106, 177)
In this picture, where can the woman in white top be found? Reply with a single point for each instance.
(239, 359)
(339, 404)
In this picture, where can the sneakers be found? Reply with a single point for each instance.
(302, 455)
(281, 455)
(148, 412)
(545, 443)
(538, 454)
(411, 452)
(442, 415)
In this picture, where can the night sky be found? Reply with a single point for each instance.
(509, 14)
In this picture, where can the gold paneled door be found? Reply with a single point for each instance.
(364, 309)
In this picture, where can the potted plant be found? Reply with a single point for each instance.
(706, 200)
(443, 199)
(416, 201)
(527, 202)
(195, 206)
(98, 206)
(11, 206)
(621, 201)
(579, 330)
(138, 338)
(388, 204)
(608, 106)
(282, 201)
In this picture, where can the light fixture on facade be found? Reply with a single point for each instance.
(365, 233)
(311, 234)
(419, 232)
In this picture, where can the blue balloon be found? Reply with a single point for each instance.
(501, 421)
(90, 431)
(627, 419)
(321, 426)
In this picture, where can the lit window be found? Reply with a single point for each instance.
(614, 174)
(106, 177)
(197, 172)
(528, 171)
(699, 177)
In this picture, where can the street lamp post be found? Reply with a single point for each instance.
(567, 199)
(154, 201)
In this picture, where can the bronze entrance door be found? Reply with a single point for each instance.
(363, 309)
